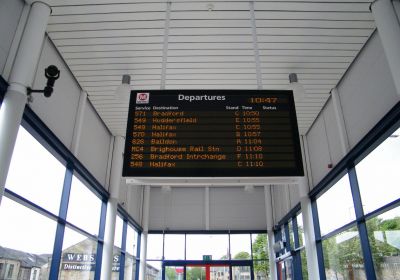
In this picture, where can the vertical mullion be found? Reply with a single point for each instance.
(361, 225)
(58, 242)
(100, 242)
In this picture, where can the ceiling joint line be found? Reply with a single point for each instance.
(165, 46)
(255, 45)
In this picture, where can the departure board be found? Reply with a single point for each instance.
(212, 133)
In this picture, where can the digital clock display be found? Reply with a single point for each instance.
(212, 133)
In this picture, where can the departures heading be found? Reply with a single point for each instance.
(212, 133)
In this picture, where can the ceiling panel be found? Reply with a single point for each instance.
(199, 44)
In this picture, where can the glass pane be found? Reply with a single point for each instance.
(174, 247)
(384, 238)
(219, 273)
(291, 234)
(130, 267)
(300, 229)
(131, 241)
(35, 174)
(118, 232)
(154, 246)
(116, 263)
(216, 246)
(153, 271)
(378, 174)
(304, 269)
(84, 207)
(335, 207)
(260, 246)
(176, 273)
(78, 259)
(26, 234)
(241, 273)
(195, 273)
(261, 270)
(240, 246)
(343, 257)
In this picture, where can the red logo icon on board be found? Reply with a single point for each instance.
(142, 98)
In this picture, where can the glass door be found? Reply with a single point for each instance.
(207, 270)
(242, 272)
(285, 269)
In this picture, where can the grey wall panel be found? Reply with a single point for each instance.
(130, 198)
(94, 144)
(179, 209)
(280, 197)
(294, 194)
(59, 111)
(367, 91)
(332, 131)
(319, 150)
(235, 209)
(10, 12)
(134, 202)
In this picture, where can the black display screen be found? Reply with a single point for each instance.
(212, 133)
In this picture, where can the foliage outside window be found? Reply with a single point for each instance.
(343, 258)
(384, 239)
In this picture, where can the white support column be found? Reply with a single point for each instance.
(270, 232)
(389, 31)
(344, 140)
(80, 115)
(207, 206)
(309, 236)
(112, 205)
(145, 225)
(21, 77)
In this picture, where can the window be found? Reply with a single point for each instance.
(384, 239)
(84, 207)
(35, 174)
(378, 174)
(78, 256)
(300, 229)
(10, 271)
(217, 246)
(240, 246)
(330, 215)
(174, 247)
(154, 246)
(118, 232)
(130, 256)
(26, 231)
(343, 257)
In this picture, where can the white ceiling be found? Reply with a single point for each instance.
(208, 45)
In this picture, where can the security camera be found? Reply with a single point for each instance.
(52, 74)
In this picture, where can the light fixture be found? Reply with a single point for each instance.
(298, 89)
(123, 90)
(249, 188)
(166, 189)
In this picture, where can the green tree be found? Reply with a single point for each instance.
(260, 253)
(195, 273)
(242, 256)
(170, 273)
